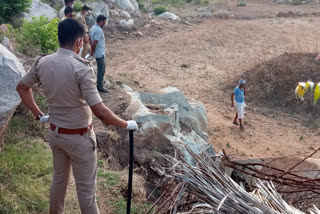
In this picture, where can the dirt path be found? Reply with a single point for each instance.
(201, 59)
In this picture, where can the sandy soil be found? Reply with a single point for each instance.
(202, 59)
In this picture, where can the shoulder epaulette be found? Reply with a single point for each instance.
(37, 59)
(86, 62)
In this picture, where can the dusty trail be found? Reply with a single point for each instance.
(201, 59)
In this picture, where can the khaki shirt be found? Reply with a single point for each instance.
(63, 18)
(80, 18)
(69, 85)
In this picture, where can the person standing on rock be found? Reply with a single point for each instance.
(66, 4)
(68, 84)
(239, 93)
(80, 17)
(98, 49)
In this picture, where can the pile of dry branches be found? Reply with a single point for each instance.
(298, 184)
(205, 188)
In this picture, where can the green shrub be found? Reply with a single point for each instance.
(159, 10)
(1, 38)
(10, 8)
(188, 1)
(242, 3)
(205, 2)
(38, 36)
(155, 1)
(197, 1)
(77, 6)
(296, 2)
(142, 7)
(169, 2)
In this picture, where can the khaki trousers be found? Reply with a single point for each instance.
(80, 153)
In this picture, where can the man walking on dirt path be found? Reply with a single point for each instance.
(98, 50)
(80, 17)
(69, 85)
(238, 93)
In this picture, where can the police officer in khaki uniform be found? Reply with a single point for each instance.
(68, 13)
(80, 17)
(70, 88)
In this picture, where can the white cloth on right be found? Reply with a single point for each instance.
(240, 109)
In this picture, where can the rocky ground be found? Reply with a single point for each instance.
(203, 59)
(204, 55)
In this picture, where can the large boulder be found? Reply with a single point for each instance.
(181, 122)
(98, 8)
(11, 71)
(129, 5)
(168, 122)
(38, 9)
(125, 14)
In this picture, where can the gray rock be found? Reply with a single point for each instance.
(98, 8)
(196, 119)
(127, 24)
(130, 5)
(207, 14)
(11, 71)
(181, 122)
(7, 43)
(125, 14)
(139, 34)
(222, 13)
(168, 96)
(168, 15)
(193, 115)
(38, 9)
(114, 13)
(204, 9)
(61, 12)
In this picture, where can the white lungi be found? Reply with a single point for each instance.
(240, 109)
